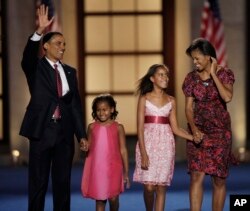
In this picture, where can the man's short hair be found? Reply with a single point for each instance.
(47, 37)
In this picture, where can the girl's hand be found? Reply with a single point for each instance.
(198, 136)
(127, 181)
(144, 162)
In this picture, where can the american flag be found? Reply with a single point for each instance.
(212, 29)
(53, 11)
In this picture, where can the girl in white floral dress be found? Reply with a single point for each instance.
(155, 149)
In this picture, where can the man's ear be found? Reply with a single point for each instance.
(45, 46)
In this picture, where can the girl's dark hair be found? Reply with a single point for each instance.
(104, 98)
(203, 45)
(145, 85)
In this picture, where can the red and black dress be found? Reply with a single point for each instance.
(213, 155)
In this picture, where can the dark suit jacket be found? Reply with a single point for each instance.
(44, 98)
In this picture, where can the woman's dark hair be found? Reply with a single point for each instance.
(104, 98)
(203, 45)
(145, 85)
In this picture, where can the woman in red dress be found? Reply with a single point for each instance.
(208, 88)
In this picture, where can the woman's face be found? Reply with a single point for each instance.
(200, 60)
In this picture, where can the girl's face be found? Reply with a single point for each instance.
(104, 111)
(200, 60)
(160, 78)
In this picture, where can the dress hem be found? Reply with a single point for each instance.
(103, 198)
(153, 183)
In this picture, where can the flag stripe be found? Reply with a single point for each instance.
(212, 29)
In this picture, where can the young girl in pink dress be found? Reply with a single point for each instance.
(106, 166)
(155, 149)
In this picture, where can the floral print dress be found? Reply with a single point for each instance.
(160, 146)
(213, 154)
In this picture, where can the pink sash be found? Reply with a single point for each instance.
(156, 119)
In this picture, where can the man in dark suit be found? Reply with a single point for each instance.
(53, 116)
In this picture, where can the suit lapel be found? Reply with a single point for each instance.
(49, 74)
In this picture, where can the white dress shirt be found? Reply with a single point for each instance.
(65, 85)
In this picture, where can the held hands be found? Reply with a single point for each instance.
(198, 136)
(84, 145)
(43, 20)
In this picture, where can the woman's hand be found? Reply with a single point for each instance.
(214, 66)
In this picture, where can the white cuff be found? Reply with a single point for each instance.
(36, 37)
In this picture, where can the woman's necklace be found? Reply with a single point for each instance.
(205, 83)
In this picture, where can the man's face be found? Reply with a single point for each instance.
(54, 48)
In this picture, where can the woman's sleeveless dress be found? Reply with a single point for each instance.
(103, 168)
(160, 147)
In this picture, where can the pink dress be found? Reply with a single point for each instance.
(103, 168)
(160, 147)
